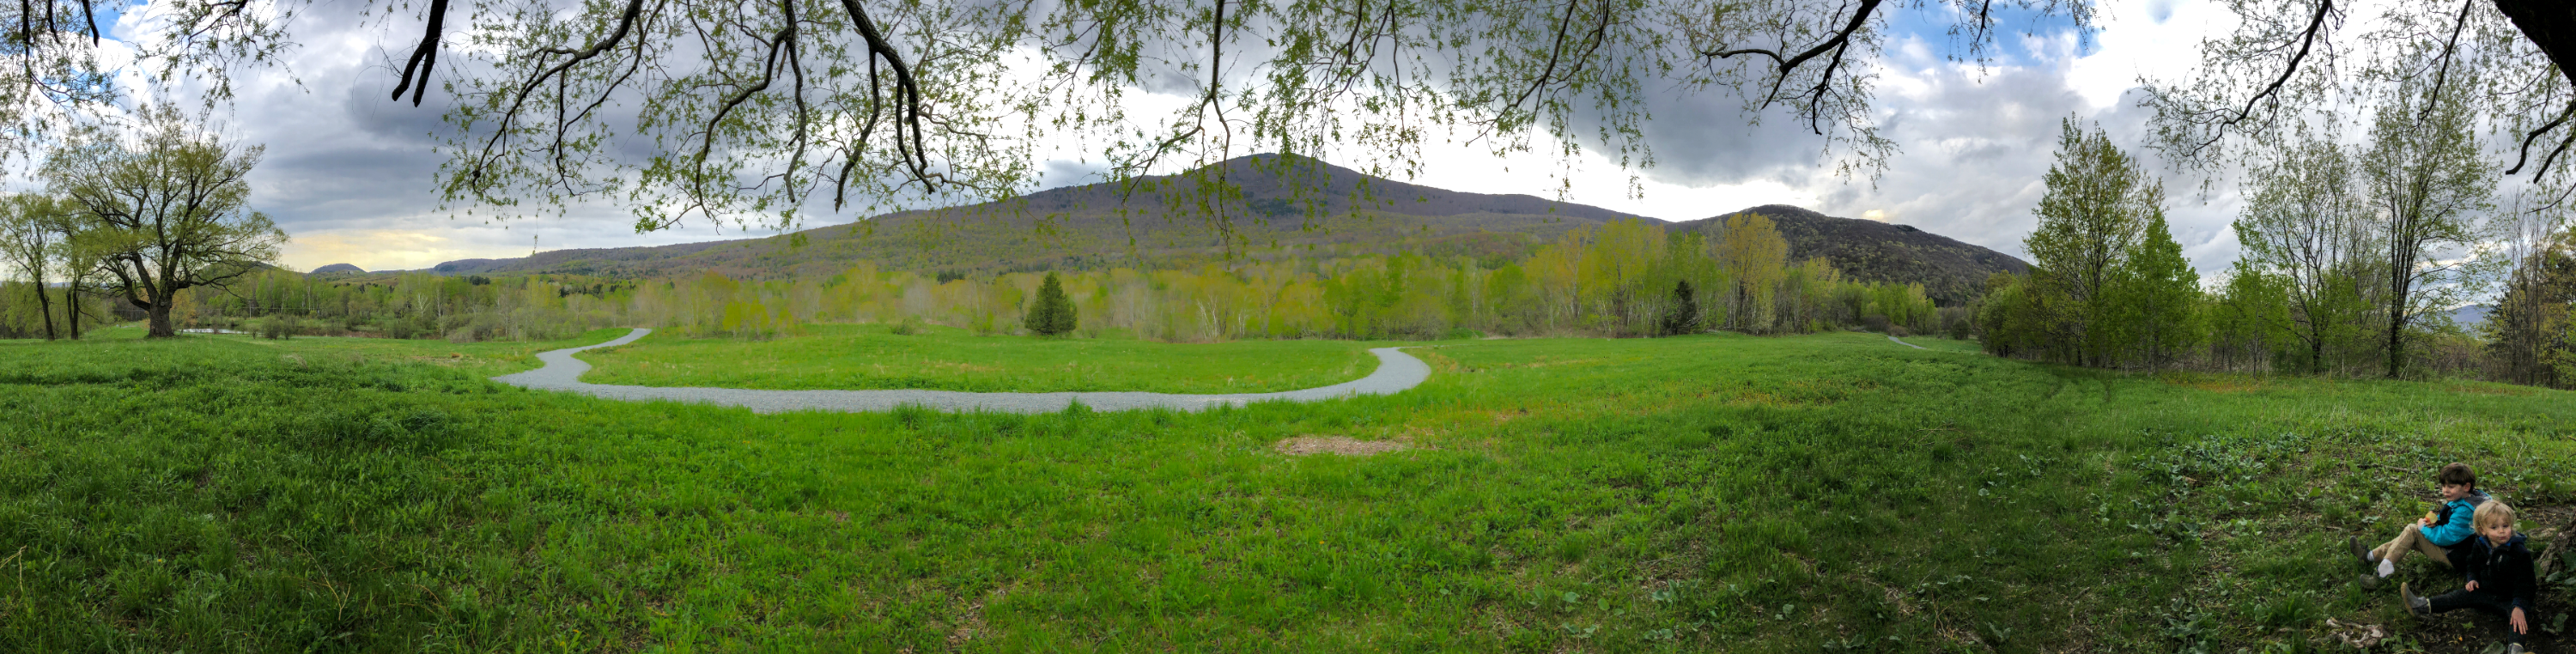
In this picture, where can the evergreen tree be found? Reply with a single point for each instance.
(2156, 297)
(1683, 316)
(1053, 315)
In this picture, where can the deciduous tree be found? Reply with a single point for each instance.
(29, 244)
(2304, 224)
(167, 208)
(1753, 257)
(2431, 186)
(2090, 216)
(2158, 298)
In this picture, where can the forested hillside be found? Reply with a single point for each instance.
(1951, 272)
(1278, 207)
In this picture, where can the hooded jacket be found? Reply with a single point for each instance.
(2504, 570)
(2450, 526)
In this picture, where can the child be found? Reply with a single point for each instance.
(2442, 535)
(2500, 577)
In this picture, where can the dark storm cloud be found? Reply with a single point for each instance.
(351, 174)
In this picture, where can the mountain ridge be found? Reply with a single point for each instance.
(1276, 201)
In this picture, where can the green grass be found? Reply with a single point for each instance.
(945, 358)
(1659, 495)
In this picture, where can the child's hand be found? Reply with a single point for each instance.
(2473, 586)
(2520, 626)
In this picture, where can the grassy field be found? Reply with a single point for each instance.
(1834, 492)
(947, 358)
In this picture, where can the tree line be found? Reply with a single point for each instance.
(2353, 257)
(1623, 279)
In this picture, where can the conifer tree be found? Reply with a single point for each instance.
(2157, 297)
(1053, 314)
(1683, 316)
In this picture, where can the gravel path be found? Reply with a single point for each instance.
(1892, 337)
(1396, 371)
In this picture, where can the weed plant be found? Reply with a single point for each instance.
(1663, 495)
(947, 358)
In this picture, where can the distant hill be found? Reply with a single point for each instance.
(337, 268)
(2471, 316)
(1284, 202)
(1952, 272)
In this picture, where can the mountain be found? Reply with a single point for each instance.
(1282, 202)
(1952, 272)
(338, 268)
(2471, 316)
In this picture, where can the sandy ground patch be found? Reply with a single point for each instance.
(1343, 445)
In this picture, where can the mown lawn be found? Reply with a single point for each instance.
(947, 358)
(1687, 494)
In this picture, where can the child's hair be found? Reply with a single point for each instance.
(2458, 474)
(2492, 513)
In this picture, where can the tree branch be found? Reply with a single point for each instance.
(2307, 41)
(1841, 38)
(2527, 139)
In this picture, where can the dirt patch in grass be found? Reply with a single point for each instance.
(1343, 445)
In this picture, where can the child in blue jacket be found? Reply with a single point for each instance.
(2442, 535)
(2501, 576)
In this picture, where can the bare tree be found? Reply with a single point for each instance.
(166, 208)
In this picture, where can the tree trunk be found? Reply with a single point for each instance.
(160, 317)
(2317, 352)
(2550, 24)
(71, 307)
(45, 306)
(2396, 335)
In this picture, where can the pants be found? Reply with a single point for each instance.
(2411, 539)
(2491, 603)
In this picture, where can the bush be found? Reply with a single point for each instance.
(1876, 322)
(275, 327)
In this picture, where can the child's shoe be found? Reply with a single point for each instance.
(2513, 648)
(2422, 608)
(2359, 552)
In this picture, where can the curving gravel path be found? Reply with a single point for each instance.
(1892, 337)
(1396, 371)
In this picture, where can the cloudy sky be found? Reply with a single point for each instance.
(348, 173)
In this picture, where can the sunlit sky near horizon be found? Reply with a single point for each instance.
(349, 174)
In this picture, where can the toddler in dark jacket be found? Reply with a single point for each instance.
(2501, 580)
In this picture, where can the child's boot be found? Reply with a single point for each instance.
(2422, 608)
(2359, 551)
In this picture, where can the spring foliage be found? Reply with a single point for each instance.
(1625, 279)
